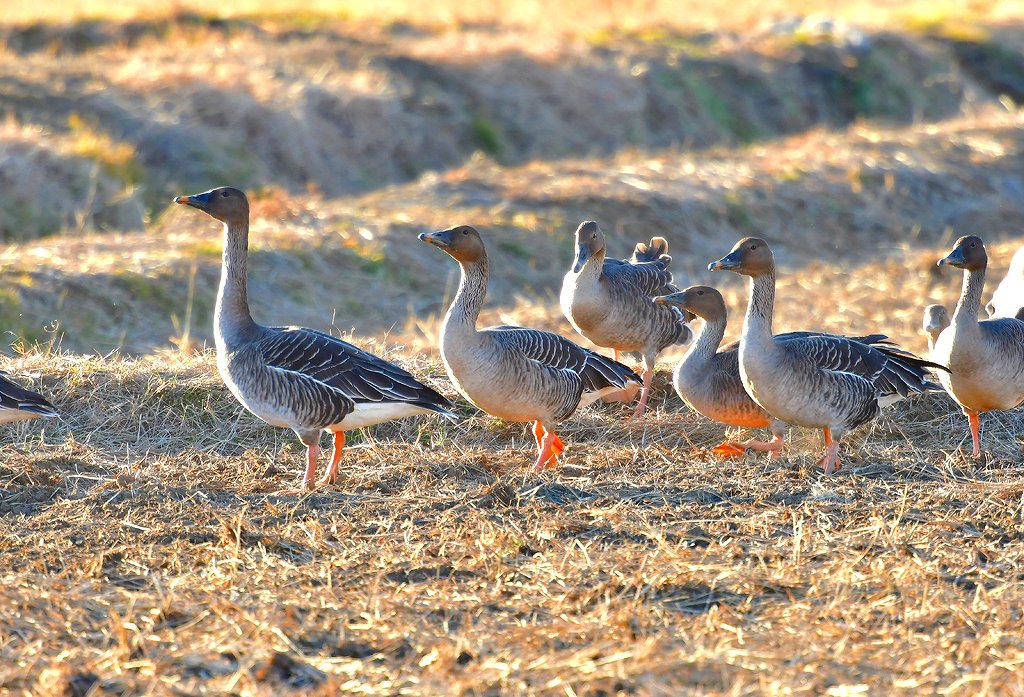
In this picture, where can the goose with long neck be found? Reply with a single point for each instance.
(515, 373)
(809, 382)
(609, 301)
(986, 358)
(708, 379)
(295, 377)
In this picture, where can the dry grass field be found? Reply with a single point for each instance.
(143, 549)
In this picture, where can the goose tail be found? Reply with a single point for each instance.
(655, 250)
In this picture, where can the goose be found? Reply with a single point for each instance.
(1008, 300)
(936, 319)
(295, 377)
(708, 378)
(19, 404)
(514, 373)
(986, 358)
(609, 301)
(787, 378)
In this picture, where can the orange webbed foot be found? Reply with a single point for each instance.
(727, 449)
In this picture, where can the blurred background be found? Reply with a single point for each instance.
(860, 137)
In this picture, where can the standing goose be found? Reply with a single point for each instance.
(609, 301)
(1008, 299)
(986, 359)
(19, 404)
(295, 377)
(936, 319)
(514, 373)
(708, 378)
(788, 378)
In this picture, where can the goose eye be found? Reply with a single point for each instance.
(465, 232)
(224, 194)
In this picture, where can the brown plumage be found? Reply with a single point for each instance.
(986, 359)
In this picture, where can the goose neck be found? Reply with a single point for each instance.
(231, 314)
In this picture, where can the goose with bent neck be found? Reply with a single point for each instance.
(986, 358)
(821, 381)
(515, 373)
(296, 377)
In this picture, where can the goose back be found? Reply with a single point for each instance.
(609, 300)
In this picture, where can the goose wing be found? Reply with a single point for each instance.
(554, 350)
(357, 374)
(649, 278)
(14, 397)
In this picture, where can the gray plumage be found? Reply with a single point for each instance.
(515, 373)
(986, 358)
(294, 377)
(609, 301)
(19, 404)
(808, 381)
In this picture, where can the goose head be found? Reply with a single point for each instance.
(751, 257)
(461, 243)
(589, 243)
(226, 204)
(700, 301)
(968, 254)
(936, 318)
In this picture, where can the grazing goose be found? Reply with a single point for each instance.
(295, 377)
(609, 301)
(514, 373)
(789, 380)
(936, 319)
(19, 404)
(1008, 300)
(708, 378)
(986, 359)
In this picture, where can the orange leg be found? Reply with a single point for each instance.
(551, 448)
(312, 455)
(972, 419)
(645, 393)
(332, 469)
(615, 355)
(538, 434)
(830, 460)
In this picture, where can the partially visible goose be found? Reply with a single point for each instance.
(19, 404)
(936, 319)
(295, 377)
(787, 379)
(514, 373)
(986, 359)
(708, 378)
(609, 301)
(1008, 300)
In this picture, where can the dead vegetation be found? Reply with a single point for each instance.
(143, 551)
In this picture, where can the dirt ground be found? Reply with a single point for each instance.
(143, 548)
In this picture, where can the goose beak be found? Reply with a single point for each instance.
(582, 256)
(670, 299)
(954, 258)
(442, 239)
(730, 262)
(200, 201)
